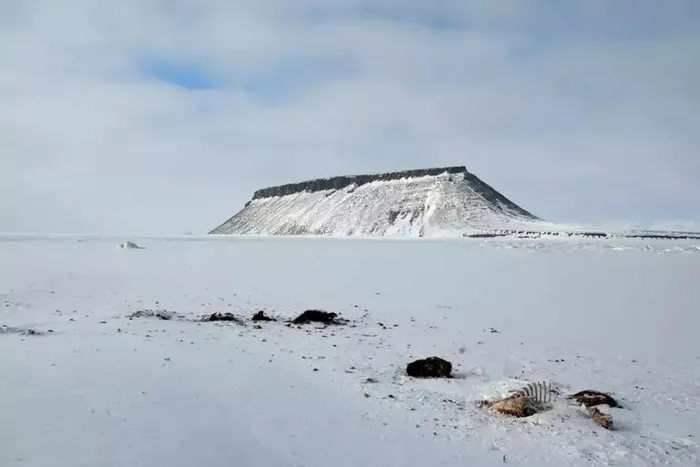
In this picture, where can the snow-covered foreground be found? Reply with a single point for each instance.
(104, 390)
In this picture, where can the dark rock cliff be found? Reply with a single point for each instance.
(337, 183)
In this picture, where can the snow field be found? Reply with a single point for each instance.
(105, 390)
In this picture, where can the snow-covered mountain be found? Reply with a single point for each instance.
(448, 201)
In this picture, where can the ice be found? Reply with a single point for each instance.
(101, 389)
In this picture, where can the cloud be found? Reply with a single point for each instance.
(149, 116)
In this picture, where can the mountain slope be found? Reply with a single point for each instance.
(428, 202)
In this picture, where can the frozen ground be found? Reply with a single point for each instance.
(103, 390)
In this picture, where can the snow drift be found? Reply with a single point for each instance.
(427, 202)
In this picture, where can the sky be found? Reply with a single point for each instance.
(155, 116)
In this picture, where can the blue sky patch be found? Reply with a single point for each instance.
(275, 82)
(184, 75)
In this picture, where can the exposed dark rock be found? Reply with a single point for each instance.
(431, 367)
(585, 234)
(223, 317)
(261, 316)
(159, 314)
(337, 183)
(131, 245)
(591, 398)
(317, 316)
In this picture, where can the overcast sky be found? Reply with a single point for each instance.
(157, 116)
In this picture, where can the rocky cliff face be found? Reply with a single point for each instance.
(447, 201)
(337, 183)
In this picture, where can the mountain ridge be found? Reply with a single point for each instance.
(431, 201)
(439, 202)
(342, 181)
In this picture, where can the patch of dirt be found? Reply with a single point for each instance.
(229, 317)
(158, 314)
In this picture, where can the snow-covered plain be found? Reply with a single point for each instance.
(104, 390)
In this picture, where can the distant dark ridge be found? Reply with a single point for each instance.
(337, 183)
(538, 234)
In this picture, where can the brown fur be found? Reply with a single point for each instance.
(602, 419)
(518, 406)
(591, 398)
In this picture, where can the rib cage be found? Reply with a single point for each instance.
(540, 392)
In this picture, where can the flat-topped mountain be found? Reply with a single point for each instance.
(447, 201)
